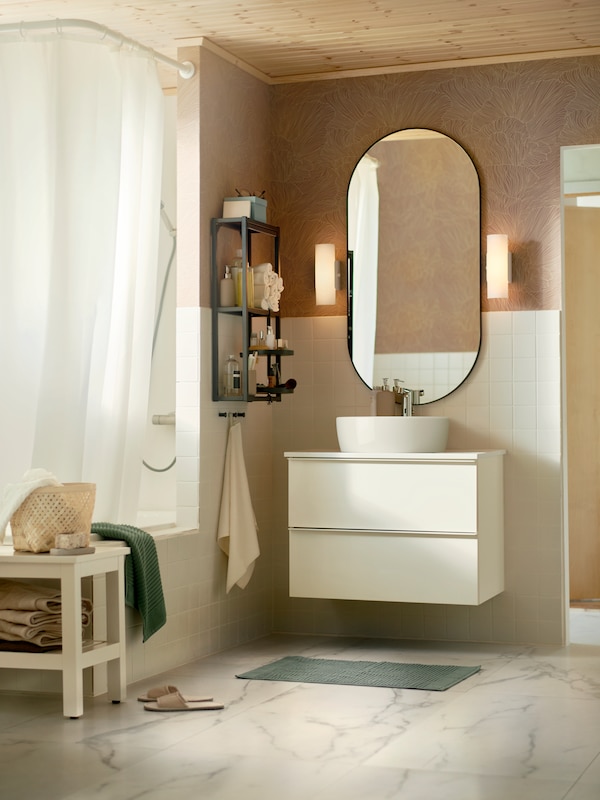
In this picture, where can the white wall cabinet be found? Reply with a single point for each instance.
(419, 528)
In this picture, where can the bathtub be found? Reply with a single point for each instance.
(155, 519)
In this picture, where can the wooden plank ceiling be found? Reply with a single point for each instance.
(295, 40)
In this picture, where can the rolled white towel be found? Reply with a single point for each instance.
(262, 293)
(260, 268)
(260, 271)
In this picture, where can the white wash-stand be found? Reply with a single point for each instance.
(405, 528)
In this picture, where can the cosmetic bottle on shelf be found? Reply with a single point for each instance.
(227, 290)
(270, 338)
(233, 377)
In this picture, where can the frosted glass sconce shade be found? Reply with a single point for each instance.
(325, 274)
(498, 265)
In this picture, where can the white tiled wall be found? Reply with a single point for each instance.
(511, 401)
(187, 441)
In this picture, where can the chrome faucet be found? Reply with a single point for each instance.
(406, 398)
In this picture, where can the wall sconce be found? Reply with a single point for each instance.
(498, 267)
(325, 269)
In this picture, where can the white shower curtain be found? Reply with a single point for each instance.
(363, 241)
(81, 127)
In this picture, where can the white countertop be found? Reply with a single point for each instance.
(447, 455)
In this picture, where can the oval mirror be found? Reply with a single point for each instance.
(414, 303)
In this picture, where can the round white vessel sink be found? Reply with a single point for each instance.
(392, 434)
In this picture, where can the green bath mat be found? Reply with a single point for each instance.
(386, 674)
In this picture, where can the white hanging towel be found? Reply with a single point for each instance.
(237, 522)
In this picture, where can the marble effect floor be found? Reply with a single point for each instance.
(526, 727)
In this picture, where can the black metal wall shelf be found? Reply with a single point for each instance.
(248, 229)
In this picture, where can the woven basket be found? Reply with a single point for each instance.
(51, 510)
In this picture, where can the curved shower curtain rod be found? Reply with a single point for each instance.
(185, 68)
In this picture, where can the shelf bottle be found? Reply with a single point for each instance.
(233, 377)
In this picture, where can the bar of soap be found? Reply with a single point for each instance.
(69, 541)
(72, 551)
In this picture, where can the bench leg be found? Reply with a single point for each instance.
(116, 669)
(72, 669)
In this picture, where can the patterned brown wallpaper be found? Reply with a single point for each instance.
(512, 120)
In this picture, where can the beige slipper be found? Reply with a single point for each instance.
(160, 691)
(175, 702)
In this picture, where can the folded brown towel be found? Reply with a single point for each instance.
(33, 613)
(29, 632)
(40, 638)
(29, 597)
(33, 619)
(27, 647)
(39, 619)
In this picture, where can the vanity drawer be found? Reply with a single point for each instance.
(388, 496)
(358, 565)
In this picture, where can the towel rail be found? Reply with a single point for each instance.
(232, 413)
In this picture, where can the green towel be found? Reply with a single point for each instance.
(143, 586)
